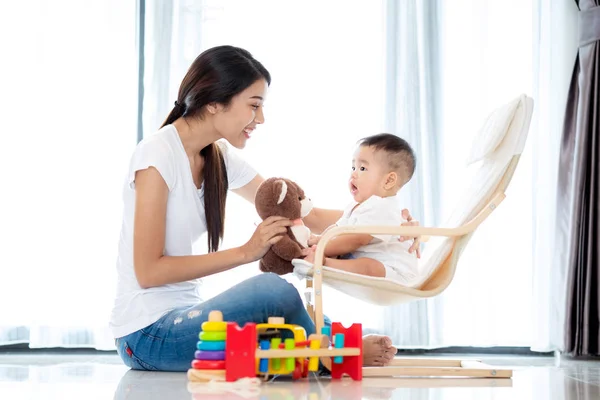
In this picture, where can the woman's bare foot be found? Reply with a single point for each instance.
(378, 350)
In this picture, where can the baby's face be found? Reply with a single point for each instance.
(368, 174)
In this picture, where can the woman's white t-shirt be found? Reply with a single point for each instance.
(134, 307)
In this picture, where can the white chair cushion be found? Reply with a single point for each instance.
(493, 131)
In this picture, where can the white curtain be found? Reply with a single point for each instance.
(487, 61)
(414, 112)
(509, 287)
(381, 68)
(502, 293)
(68, 104)
(555, 33)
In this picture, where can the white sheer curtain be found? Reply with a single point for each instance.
(487, 61)
(379, 69)
(338, 75)
(555, 33)
(414, 111)
(481, 65)
(68, 98)
(509, 287)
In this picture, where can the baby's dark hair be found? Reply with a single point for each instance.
(400, 156)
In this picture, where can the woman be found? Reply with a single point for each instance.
(175, 191)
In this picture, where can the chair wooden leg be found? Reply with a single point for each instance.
(437, 367)
(311, 311)
(309, 301)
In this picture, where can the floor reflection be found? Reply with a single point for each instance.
(77, 378)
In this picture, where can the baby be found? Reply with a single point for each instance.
(382, 165)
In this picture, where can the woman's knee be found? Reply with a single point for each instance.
(279, 290)
(272, 283)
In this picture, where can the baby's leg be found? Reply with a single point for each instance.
(364, 266)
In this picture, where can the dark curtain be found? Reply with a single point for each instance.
(578, 200)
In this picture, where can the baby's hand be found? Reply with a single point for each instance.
(309, 254)
(416, 240)
(313, 240)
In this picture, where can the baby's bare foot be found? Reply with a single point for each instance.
(377, 350)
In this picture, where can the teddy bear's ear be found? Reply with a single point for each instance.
(281, 187)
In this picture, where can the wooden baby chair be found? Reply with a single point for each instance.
(496, 152)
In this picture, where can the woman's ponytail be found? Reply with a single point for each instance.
(178, 111)
(215, 193)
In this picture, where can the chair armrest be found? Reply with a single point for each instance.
(410, 231)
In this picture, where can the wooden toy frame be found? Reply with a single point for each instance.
(243, 358)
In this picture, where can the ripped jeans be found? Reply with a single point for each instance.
(169, 343)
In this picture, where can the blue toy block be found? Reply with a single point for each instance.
(263, 366)
(339, 344)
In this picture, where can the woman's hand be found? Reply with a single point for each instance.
(417, 239)
(267, 233)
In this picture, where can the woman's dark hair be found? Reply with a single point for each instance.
(216, 76)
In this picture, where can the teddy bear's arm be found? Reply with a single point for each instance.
(287, 249)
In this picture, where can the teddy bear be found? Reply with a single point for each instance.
(284, 198)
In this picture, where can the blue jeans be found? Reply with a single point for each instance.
(169, 343)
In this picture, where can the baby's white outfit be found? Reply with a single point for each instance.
(400, 265)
